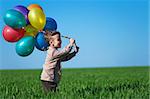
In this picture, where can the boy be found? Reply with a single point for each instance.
(51, 73)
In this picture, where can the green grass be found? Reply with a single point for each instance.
(85, 83)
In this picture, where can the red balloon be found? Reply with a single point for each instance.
(12, 35)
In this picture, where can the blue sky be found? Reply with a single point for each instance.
(109, 32)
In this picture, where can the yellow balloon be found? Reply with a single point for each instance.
(37, 18)
(30, 31)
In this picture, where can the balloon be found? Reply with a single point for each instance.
(30, 31)
(50, 24)
(25, 46)
(12, 35)
(23, 10)
(40, 42)
(30, 7)
(14, 19)
(37, 18)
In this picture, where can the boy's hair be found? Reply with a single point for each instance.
(48, 35)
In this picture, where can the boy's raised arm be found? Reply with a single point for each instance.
(70, 55)
(58, 55)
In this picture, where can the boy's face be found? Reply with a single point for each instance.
(56, 41)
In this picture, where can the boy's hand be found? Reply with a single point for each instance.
(77, 49)
(72, 41)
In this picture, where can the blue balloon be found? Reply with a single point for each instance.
(40, 42)
(14, 19)
(25, 46)
(50, 25)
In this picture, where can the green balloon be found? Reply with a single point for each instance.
(25, 46)
(14, 19)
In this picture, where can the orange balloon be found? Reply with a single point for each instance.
(34, 6)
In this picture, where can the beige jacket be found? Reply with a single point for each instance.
(52, 66)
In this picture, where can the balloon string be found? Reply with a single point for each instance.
(75, 46)
(66, 37)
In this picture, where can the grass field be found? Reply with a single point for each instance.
(89, 83)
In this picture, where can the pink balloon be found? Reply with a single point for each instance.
(12, 35)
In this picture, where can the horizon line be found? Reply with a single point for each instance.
(74, 67)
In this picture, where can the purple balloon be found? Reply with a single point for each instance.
(23, 10)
